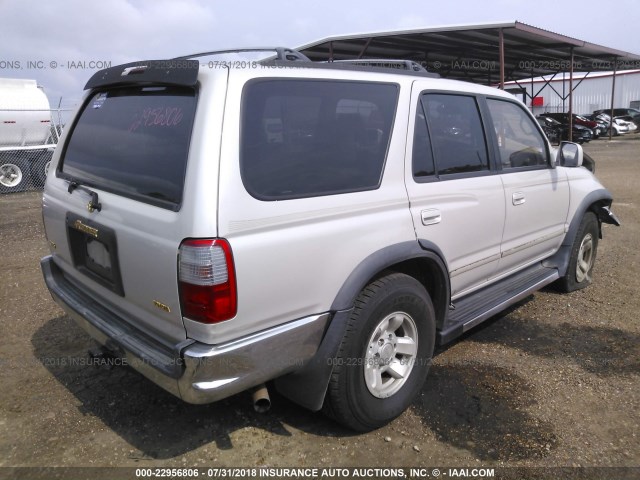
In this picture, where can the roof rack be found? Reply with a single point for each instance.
(385, 62)
(283, 56)
(282, 53)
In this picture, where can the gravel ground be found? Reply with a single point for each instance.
(554, 382)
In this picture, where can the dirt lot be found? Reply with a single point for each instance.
(555, 382)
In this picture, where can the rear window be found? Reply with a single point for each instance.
(303, 138)
(134, 142)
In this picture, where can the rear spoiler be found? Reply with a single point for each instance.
(178, 72)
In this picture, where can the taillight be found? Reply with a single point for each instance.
(207, 280)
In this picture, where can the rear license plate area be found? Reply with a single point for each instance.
(94, 251)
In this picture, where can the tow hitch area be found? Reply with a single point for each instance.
(101, 357)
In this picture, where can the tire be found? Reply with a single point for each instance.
(14, 175)
(583, 255)
(385, 354)
(40, 167)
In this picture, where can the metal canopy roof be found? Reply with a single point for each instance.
(474, 52)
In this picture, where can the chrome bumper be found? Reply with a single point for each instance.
(193, 371)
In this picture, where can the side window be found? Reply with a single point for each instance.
(519, 141)
(456, 133)
(303, 138)
(422, 160)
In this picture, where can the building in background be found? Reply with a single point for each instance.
(592, 91)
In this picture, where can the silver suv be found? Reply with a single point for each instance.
(221, 224)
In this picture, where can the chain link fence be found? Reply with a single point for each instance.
(27, 141)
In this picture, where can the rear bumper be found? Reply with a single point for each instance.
(193, 371)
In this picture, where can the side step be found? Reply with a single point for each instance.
(480, 305)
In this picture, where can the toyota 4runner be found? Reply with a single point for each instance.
(322, 225)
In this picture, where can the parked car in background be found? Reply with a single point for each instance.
(603, 124)
(624, 126)
(615, 127)
(557, 131)
(633, 127)
(626, 114)
(552, 129)
(577, 120)
(585, 122)
(619, 112)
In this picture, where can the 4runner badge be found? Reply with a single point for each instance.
(78, 225)
(162, 306)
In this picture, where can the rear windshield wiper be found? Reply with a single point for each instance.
(93, 204)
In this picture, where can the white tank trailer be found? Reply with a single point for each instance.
(27, 135)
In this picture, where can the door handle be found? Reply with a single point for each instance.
(431, 216)
(518, 198)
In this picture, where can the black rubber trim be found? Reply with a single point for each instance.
(560, 260)
(121, 334)
(602, 196)
(308, 386)
(381, 260)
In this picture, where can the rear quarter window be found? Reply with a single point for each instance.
(134, 142)
(304, 138)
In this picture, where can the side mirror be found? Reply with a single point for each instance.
(570, 155)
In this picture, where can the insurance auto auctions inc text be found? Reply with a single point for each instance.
(367, 473)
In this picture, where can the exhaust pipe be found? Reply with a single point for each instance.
(261, 400)
(102, 357)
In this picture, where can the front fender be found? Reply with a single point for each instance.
(599, 201)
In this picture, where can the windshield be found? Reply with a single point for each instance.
(134, 142)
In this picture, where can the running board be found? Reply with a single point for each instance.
(478, 306)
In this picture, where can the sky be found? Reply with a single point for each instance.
(61, 43)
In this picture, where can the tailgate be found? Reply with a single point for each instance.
(112, 211)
